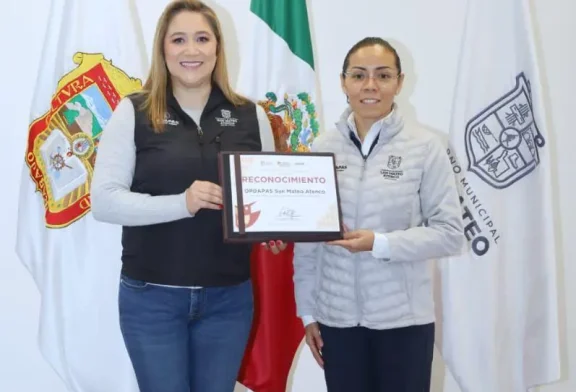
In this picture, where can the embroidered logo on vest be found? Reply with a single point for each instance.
(169, 121)
(227, 120)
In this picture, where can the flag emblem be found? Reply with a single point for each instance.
(294, 122)
(63, 142)
(502, 142)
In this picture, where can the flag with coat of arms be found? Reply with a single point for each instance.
(499, 298)
(93, 56)
(277, 72)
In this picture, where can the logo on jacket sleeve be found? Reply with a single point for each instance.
(62, 143)
(502, 141)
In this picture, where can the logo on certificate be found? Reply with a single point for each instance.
(250, 217)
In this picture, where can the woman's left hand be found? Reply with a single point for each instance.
(275, 246)
(356, 241)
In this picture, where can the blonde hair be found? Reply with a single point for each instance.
(154, 89)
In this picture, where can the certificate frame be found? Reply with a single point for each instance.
(228, 213)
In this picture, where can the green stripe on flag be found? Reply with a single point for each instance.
(288, 19)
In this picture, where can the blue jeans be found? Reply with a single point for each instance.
(185, 340)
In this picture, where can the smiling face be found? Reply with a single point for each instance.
(190, 49)
(371, 81)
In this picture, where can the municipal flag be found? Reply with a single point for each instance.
(93, 56)
(499, 312)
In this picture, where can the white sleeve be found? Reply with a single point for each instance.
(305, 260)
(443, 232)
(307, 319)
(112, 201)
(380, 248)
(306, 257)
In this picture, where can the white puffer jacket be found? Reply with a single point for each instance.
(405, 190)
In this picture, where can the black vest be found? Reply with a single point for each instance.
(189, 251)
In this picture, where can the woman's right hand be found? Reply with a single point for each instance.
(203, 194)
(314, 341)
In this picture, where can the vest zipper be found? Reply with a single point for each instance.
(200, 132)
(201, 143)
(356, 268)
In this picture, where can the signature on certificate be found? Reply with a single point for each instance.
(287, 213)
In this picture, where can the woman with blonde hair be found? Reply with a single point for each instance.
(185, 296)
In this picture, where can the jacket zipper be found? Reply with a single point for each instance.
(356, 268)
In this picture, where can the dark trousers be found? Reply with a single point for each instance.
(366, 360)
(185, 340)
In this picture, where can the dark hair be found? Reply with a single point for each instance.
(371, 41)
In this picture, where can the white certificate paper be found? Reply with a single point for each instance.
(286, 193)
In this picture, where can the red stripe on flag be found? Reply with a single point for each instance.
(276, 331)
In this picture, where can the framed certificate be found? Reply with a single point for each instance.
(291, 197)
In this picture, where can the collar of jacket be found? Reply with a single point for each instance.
(215, 100)
(389, 128)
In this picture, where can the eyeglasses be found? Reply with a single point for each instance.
(382, 78)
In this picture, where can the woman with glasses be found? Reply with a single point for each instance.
(366, 300)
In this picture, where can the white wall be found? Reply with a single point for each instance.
(426, 33)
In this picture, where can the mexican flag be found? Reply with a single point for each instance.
(93, 56)
(278, 72)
